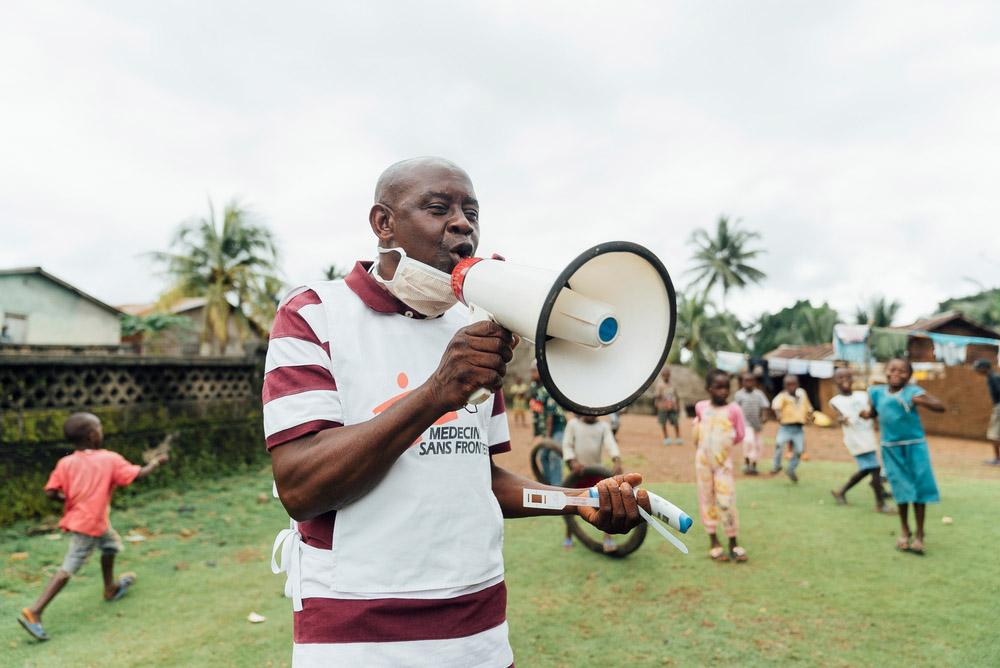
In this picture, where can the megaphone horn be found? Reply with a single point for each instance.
(602, 327)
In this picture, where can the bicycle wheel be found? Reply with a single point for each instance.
(590, 536)
(537, 469)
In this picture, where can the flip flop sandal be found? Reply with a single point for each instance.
(903, 543)
(32, 627)
(718, 554)
(124, 583)
(839, 498)
(738, 554)
(917, 547)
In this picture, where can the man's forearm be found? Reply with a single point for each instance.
(509, 490)
(327, 470)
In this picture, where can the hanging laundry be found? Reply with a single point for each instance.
(850, 343)
(851, 333)
(951, 353)
(731, 362)
(821, 369)
(798, 367)
(777, 366)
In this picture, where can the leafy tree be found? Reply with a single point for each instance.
(878, 312)
(983, 306)
(232, 263)
(151, 324)
(333, 272)
(723, 258)
(800, 324)
(703, 330)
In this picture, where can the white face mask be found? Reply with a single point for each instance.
(419, 286)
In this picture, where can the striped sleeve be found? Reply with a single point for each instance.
(299, 393)
(498, 430)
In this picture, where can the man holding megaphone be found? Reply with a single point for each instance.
(382, 457)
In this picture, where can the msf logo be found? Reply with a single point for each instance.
(403, 382)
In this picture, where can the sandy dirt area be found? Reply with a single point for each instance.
(643, 451)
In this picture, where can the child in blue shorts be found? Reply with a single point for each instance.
(904, 447)
(859, 439)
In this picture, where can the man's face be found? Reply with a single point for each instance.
(436, 217)
(748, 381)
(791, 384)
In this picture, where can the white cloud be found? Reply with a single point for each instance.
(859, 140)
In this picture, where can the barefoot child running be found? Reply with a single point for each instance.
(859, 439)
(904, 447)
(718, 426)
(85, 480)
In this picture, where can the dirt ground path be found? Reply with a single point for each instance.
(642, 450)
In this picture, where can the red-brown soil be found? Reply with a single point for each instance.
(643, 451)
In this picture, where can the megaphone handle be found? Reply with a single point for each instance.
(478, 314)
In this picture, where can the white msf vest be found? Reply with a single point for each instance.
(433, 521)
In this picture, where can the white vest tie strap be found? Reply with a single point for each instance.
(290, 543)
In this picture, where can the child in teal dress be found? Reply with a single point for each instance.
(904, 447)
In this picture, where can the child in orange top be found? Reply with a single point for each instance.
(719, 425)
(84, 481)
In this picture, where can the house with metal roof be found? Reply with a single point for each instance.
(37, 308)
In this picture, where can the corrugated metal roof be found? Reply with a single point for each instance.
(823, 351)
(38, 271)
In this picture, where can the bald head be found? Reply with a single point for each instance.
(428, 208)
(403, 175)
(83, 429)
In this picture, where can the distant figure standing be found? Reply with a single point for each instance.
(793, 410)
(859, 439)
(904, 447)
(549, 422)
(985, 367)
(586, 442)
(5, 335)
(718, 426)
(754, 405)
(668, 405)
(84, 481)
(519, 401)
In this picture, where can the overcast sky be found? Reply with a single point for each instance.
(861, 141)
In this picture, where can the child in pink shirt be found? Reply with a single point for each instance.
(718, 426)
(84, 481)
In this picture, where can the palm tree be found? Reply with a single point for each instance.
(232, 264)
(879, 312)
(723, 259)
(702, 331)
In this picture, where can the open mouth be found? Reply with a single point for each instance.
(460, 252)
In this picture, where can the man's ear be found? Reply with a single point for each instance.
(380, 218)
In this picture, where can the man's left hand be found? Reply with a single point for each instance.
(618, 512)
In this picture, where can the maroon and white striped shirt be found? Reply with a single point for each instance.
(412, 573)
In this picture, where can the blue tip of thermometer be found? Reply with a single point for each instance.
(672, 515)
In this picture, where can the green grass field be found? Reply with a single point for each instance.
(823, 587)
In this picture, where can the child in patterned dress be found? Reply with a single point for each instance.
(718, 427)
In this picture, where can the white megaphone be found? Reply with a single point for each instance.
(602, 327)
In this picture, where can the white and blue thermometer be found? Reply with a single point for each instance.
(672, 515)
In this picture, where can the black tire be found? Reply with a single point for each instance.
(632, 540)
(536, 464)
